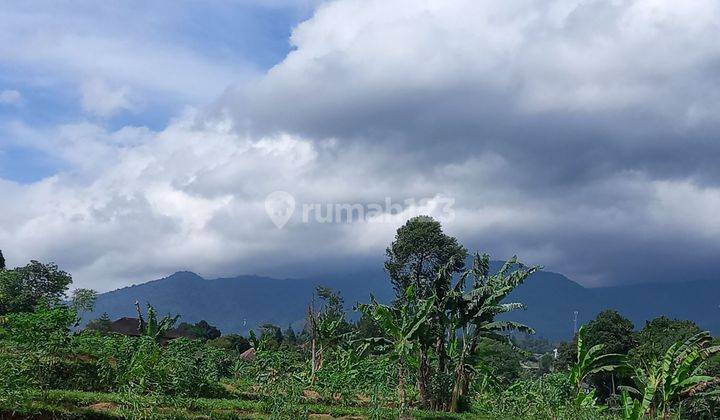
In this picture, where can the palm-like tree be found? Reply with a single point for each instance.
(473, 313)
(401, 325)
(591, 360)
(153, 327)
(676, 376)
(328, 327)
(453, 320)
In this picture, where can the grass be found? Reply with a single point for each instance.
(96, 405)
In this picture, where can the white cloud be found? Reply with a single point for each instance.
(192, 197)
(100, 99)
(51, 45)
(10, 97)
(580, 135)
(391, 61)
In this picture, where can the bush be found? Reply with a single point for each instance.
(345, 376)
(39, 352)
(232, 342)
(551, 396)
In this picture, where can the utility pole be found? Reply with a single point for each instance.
(313, 330)
(575, 327)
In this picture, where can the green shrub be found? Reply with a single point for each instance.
(551, 396)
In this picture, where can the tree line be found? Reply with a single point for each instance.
(444, 343)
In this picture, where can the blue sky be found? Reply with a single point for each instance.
(141, 138)
(243, 37)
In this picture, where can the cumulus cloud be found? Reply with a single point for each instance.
(614, 84)
(190, 196)
(578, 134)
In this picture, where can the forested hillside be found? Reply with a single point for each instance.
(242, 303)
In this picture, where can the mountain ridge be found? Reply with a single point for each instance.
(240, 303)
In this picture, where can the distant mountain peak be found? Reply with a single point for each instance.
(185, 275)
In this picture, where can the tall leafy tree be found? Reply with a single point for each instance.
(616, 334)
(659, 334)
(566, 354)
(609, 328)
(448, 326)
(290, 336)
(501, 359)
(416, 256)
(83, 300)
(419, 250)
(612, 330)
(2, 260)
(23, 288)
(366, 327)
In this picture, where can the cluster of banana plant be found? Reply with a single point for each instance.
(472, 313)
(677, 376)
(438, 334)
(402, 326)
(327, 326)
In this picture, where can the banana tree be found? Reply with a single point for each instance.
(328, 327)
(591, 360)
(674, 377)
(153, 327)
(473, 313)
(401, 326)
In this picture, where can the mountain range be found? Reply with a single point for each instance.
(241, 303)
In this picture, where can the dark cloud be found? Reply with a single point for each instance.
(579, 135)
(590, 106)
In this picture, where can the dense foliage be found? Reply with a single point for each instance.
(439, 346)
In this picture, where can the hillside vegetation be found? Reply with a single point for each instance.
(444, 346)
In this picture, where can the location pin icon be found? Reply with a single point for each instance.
(280, 206)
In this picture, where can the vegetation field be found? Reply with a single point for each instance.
(445, 347)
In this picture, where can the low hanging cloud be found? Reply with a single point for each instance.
(577, 134)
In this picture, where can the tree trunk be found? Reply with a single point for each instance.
(423, 379)
(466, 377)
(457, 391)
(440, 350)
(401, 388)
(459, 388)
(419, 293)
(320, 358)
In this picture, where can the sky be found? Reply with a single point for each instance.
(142, 138)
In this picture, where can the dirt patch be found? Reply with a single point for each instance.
(230, 388)
(311, 395)
(103, 406)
